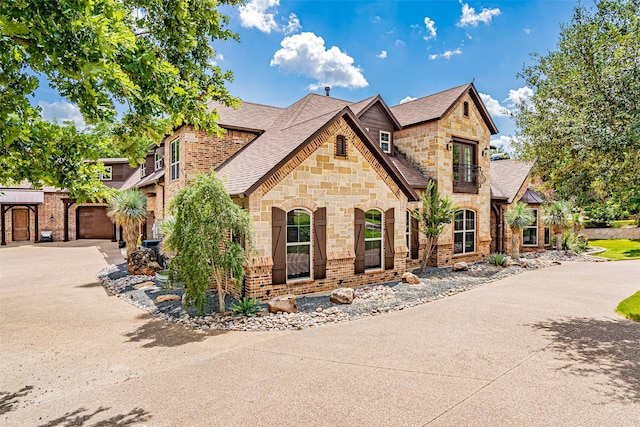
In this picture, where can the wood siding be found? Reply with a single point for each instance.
(375, 119)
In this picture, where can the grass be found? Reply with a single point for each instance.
(623, 223)
(630, 307)
(618, 249)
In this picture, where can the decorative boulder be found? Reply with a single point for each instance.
(342, 296)
(285, 304)
(143, 285)
(169, 297)
(460, 266)
(410, 278)
(143, 261)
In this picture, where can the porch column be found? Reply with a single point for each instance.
(37, 228)
(4, 241)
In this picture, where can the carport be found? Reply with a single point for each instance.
(30, 199)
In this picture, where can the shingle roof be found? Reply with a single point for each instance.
(408, 172)
(135, 181)
(531, 197)
(247, 116)
(428, 108)
(507, 178)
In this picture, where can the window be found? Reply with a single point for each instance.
(465, 167)
(373, 239)
(341, 146)
(175, 159)
(407, 233)
(143, 170)
(157, 160)
(530, 233)
(298, 245)
(547, 236)
(385, 141)
(106, 174)
(464, 232)
(465, 109)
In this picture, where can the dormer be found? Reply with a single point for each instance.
(378, 120)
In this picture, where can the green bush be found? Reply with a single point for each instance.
(246, 307)
(575, 242)
(498, 259)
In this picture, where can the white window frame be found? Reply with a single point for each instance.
(309, 244)
(174, 165)
(104, 176)
(388, 141)
(373, 239)
(407, 233)
(464, 232)
(533, 226)
(547, 236)
(143, 170)
(157, 161)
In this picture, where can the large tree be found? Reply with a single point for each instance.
(582, 125)
(144, 66)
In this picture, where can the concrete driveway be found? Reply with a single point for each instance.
(539, 349)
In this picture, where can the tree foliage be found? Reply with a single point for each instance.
(558, 217)
(517, 218)
(582, 125)
(128, 208)
(436, 213)
(206, 219)
(144, 66)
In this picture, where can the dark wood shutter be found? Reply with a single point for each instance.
(358, 242)
(279, 245)
(415, 238)
(389, 244)
(320, 243)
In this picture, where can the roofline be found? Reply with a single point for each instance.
(385, 107)
(242, 129)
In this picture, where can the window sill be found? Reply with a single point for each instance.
(464, 254)
(300, 281)
(374, 270)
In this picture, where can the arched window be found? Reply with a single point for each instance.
(464, 232)
(298, 244)
(373, 239)
(341, 146)
(465, 109)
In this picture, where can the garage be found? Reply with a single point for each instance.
(93, 223)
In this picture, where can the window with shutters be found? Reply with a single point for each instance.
(298, 245)
(464, 232)
(341, 146)
(373, 239)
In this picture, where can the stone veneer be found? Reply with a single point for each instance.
(425, 146)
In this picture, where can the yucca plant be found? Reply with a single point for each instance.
(498, 259)
(518, 218)
(128, 208)
(246, 307)
(558, 218)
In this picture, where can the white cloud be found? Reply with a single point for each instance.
(520, 95)
(260, 14)
(382, 54)
(400, 43)
(493, 106)
(431, 28)
(306, 54)
(470, 18)
(446, 55)
(407, 99)
(527, 30)
(62, 111)
(503, 141)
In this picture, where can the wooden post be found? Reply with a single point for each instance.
(37, 240)
(4, 241)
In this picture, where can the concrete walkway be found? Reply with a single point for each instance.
(539, 349)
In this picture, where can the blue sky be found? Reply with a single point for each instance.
(398, 49)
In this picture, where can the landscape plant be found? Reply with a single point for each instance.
(557, 216)
(436, 213)
(498, 259)
(128, 208)
(206, 253)
(246, 307)
(517, 218)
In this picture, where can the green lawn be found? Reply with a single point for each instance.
(618, 249)
(630, 307)
(623, 223)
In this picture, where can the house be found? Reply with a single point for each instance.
(330, 184)
(511, 183)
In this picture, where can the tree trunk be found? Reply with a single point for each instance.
(427, 252)
(130, 232)
(221, 292)
(558, 241)
(515, 245)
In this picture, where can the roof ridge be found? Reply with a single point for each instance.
(433, 94)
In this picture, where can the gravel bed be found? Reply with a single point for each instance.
(316, 309)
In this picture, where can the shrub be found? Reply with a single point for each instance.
(575, 242)
(498, 259)
(246, 307)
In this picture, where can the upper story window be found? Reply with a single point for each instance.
(530, 233)
(467, 175)
(298, 245)
(107, 174)
(175, 159)
(465, 109)
(143, 170)
(341, 146)
(157, 161)
(385, 141)
(464, 232)
(373, 239)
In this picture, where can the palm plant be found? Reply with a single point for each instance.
(518, 218)
(577, 222)
(128, 208)
(558, 218)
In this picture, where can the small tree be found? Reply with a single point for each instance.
(436, 213)
(518, 218)
(577, 222)
(206, 220)
(558, 218)
(128, 208)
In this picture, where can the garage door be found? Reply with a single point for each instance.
(93, 223)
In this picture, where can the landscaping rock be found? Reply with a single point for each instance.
(460, 266)
(342, 296)
(410, 278)
(285, 304)
(144, 285)
(143, 261)
(164, 298)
